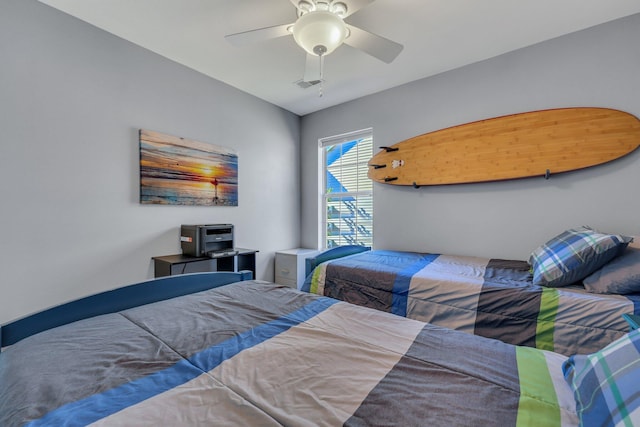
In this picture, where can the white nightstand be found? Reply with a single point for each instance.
(290, 266)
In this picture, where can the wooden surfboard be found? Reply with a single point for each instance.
(537, 143)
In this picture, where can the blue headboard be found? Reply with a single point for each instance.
(116, 300)
(333, 253)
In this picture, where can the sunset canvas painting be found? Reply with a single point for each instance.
(180, 171)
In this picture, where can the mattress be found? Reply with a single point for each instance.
(256, 353)
(493, 298)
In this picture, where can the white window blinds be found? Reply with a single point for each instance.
(347, 192)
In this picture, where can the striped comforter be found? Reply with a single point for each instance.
(488, 297)
(257, 354)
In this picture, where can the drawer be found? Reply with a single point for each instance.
(286, 266)
(289, 266)
(287, 282)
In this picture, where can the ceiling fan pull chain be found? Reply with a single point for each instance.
(320, 90)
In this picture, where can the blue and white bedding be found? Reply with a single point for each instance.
(257, 354)
(605, 383)
(488, 297)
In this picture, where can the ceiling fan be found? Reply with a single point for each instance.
(320, 29)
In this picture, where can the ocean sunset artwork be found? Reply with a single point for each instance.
(180, 171)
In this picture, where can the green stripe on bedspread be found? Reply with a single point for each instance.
(315, 278)
(538, 401)
(547, 319)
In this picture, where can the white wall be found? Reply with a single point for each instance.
(72, 99)
(596, 67)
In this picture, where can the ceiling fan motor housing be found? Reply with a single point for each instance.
(319, 32)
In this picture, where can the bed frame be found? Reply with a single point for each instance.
(116, 300)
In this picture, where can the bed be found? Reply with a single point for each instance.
(222, 349)
(493, 298)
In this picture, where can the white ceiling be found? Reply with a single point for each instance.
(438, 35)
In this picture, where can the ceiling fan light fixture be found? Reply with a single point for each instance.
(319, 32)
(305, 6)
(339, 8)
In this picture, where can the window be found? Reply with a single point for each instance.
(347, 193)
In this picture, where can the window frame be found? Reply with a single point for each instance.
(323, 143)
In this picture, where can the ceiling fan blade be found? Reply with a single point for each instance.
(261, 34)
(312, 71)
(355, 5)
(373, 44)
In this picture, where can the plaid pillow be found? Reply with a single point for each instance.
(605, 384)
(573, 255)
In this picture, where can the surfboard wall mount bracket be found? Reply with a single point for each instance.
(389, 178)
(547, 174)
(389, 149)
(378, 166)
(415, 185)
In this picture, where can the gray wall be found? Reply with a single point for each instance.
(72, 99)
(596, 67)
